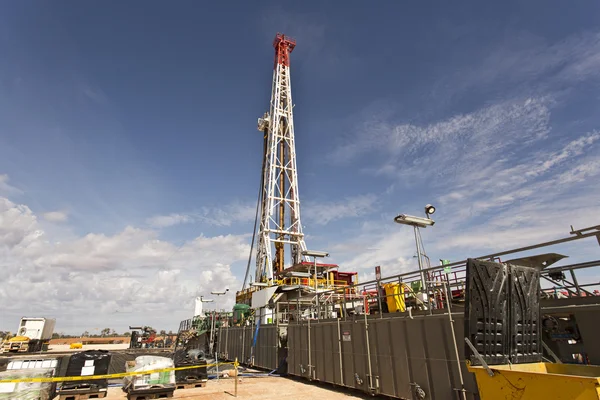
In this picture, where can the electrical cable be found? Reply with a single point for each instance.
(258, 204)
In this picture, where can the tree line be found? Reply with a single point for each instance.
(106, 332)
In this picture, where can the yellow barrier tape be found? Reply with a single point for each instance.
(107, 376)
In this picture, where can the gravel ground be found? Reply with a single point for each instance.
(257, 388)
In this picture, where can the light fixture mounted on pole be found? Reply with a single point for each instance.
(429, 210)
(220, 293)
(416, 223)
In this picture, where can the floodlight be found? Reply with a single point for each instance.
(220, 293)
(312, 253)
(414, 221)
(429, 209)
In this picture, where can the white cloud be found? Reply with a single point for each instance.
(350, 207)
(215, 216)
(579, 173)
(228, 214)
(6, 188)
(164, 221)
(112, 280)
(55, 216)
(500, 176)
(526, 63)
(571, 150)
(94, 94)
(505, 175)
(427, 150)
(18, 224)
(509, 180)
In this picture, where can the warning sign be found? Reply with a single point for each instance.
(346, 336)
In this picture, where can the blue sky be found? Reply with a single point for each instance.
(131, 160)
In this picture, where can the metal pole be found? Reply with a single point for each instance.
(575, 282)
(316, 294)
(219, 348)
(420, 260)
(227, 342)
(212, 331)
(368, 353)
(340, 350)
(379, 298)
(345, 308)
(236, 376)
(309, 356)
(243, 342)
(460, 377)
(277, 335)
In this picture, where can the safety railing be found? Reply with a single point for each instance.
(321, 284)
(449, 281)
(246, 294)
(564, 282)
(310, 282)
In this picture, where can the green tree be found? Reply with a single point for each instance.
(105, 332)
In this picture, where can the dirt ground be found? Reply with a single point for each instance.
(257, 388)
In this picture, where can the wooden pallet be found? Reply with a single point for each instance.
(191, 385)
(80, 394)
(148, 394)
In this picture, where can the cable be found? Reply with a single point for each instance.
(258, 204)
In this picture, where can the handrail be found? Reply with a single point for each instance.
(461, 264)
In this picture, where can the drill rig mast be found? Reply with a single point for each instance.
(280, 207)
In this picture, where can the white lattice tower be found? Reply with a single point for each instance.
(280, 214)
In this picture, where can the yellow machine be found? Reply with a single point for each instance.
(394, 294)
(16, 344)
(537, 381)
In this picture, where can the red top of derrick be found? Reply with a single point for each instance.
(284, 45)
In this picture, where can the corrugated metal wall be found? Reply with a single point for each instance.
(237, 342)
(404, 352)
(267, 345)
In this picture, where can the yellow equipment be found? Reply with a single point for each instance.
(76, 346)
(19, 339)
(536, 381)
(18, 344)
(394, 296)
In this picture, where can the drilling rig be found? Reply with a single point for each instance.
(280, 206)
(283, 268)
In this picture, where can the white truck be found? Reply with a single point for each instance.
(32, 336)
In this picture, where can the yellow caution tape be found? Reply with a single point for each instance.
(109, 376)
